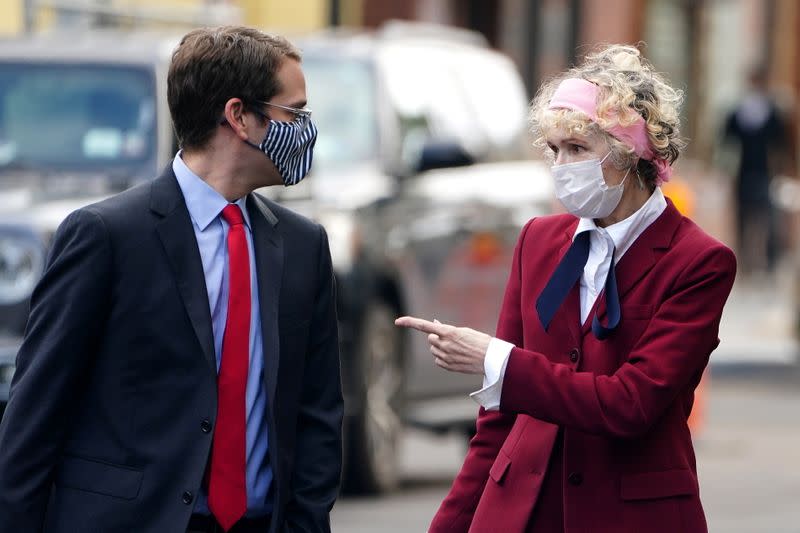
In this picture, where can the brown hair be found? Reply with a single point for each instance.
(211, 66)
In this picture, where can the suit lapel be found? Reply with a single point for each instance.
(569, 311)
(641, 256)
(268, 245)
(177, 235)
(570, 307)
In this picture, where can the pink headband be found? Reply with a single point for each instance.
(581, 95)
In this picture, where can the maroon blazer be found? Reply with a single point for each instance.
(610, 417)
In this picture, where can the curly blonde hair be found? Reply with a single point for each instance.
(628, 84)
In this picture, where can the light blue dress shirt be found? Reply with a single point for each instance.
(205, 206)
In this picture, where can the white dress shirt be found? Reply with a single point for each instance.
(602, 243)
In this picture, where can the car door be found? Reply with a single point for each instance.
(452, 230)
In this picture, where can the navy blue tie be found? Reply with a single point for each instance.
(567, 273)
(612, 304)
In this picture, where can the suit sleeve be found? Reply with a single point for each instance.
(456, 511)
(318, 454)
(673, 349)
(68, 312)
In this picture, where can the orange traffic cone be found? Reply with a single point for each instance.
(697, 416)
(683, 197)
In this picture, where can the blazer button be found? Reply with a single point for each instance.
(205, 426)
(187, 497)
(575, 479)
(574, 354)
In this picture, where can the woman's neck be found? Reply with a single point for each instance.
(633, 198)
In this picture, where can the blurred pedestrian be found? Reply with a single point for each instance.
(756, 125)
(180, 369)
(610, 315)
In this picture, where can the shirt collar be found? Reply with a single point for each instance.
(625, 232)
(203, 201)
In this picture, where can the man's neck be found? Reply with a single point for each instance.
(220, 172)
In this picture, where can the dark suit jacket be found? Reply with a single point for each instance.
(626, 462)
(107, 425)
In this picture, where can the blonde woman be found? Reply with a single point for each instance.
(609, 318)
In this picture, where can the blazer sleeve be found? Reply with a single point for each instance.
(673, 349)
(318, 453)
(68, 312)
(456, 511)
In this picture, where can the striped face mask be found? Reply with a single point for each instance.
(290, 147)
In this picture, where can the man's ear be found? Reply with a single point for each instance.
(235, 117)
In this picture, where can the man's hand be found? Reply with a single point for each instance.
(454, 349)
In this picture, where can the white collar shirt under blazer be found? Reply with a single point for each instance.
(602, 241)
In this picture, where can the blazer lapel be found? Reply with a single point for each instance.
(641, 256)
(570, 308)
(268, 245)
(177, 235)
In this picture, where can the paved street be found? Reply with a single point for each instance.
(748, 447)
(748, 456)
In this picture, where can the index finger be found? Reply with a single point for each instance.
(420, 324)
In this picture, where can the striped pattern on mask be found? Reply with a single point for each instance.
(290, 147)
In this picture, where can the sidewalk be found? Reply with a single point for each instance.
(758, 324)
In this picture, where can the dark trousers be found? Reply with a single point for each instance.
(757, 234)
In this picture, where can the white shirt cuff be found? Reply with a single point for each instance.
(494, 370)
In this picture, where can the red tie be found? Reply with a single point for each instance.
(227, 492)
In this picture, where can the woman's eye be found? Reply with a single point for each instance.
(576, 148)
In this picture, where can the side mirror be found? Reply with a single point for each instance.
(443, 154)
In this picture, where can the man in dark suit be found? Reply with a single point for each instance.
(180, 369)
(757, 126)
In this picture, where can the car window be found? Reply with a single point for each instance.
(496, 95)
(76, 116)
(341, 94)
(423, 82)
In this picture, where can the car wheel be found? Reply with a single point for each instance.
(374, 434)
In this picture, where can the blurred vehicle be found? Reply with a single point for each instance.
(81, 117)
(420, 177)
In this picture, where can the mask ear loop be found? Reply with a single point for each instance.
(639, 179)
(638, 176)
(624, 177)
(626, 173)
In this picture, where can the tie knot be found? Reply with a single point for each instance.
(232, 214)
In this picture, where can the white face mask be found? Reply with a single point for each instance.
(583, 191)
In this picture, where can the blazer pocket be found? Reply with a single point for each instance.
(653, 485)
(499, 467)
(99, 477)
(637, 312)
